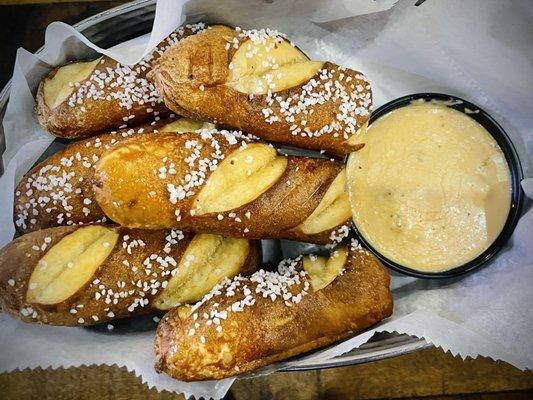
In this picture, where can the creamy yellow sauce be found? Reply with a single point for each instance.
(431, 189)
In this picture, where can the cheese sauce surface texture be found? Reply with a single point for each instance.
(431, 189)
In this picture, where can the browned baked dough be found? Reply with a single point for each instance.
(108, 96)
(158, 181)
(138, 269)
(250, 322)
(302, 103)
(59, 190)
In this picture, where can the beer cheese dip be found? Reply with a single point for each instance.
(431, 189)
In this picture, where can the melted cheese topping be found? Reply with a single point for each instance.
(431, 189)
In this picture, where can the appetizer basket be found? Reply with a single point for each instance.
(457, 314)
(134, 19)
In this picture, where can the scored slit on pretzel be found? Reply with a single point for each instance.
(333, 209)
(273, 65)
(206, 261)
(60, 85)
(70, 264)
(240, 178)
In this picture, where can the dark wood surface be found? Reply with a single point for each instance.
(24, 26)
(429, 374)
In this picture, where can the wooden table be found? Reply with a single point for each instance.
(430, 373)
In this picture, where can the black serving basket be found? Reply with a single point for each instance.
(515, 168)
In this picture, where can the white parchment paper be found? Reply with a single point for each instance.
(479, 50)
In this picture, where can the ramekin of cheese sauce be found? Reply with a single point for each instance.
(435, 191)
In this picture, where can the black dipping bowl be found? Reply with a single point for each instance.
(515, 168)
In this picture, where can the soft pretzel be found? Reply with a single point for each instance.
(222, 182)
(96, 273)
(59, 190)
(84, 98)
(249, 322)
(259, 82)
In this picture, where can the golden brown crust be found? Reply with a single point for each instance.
(131, 191)
(270, 329)
(123, 285)
(192, 77)
(58, 191)
(112, 97)
(94, 116)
